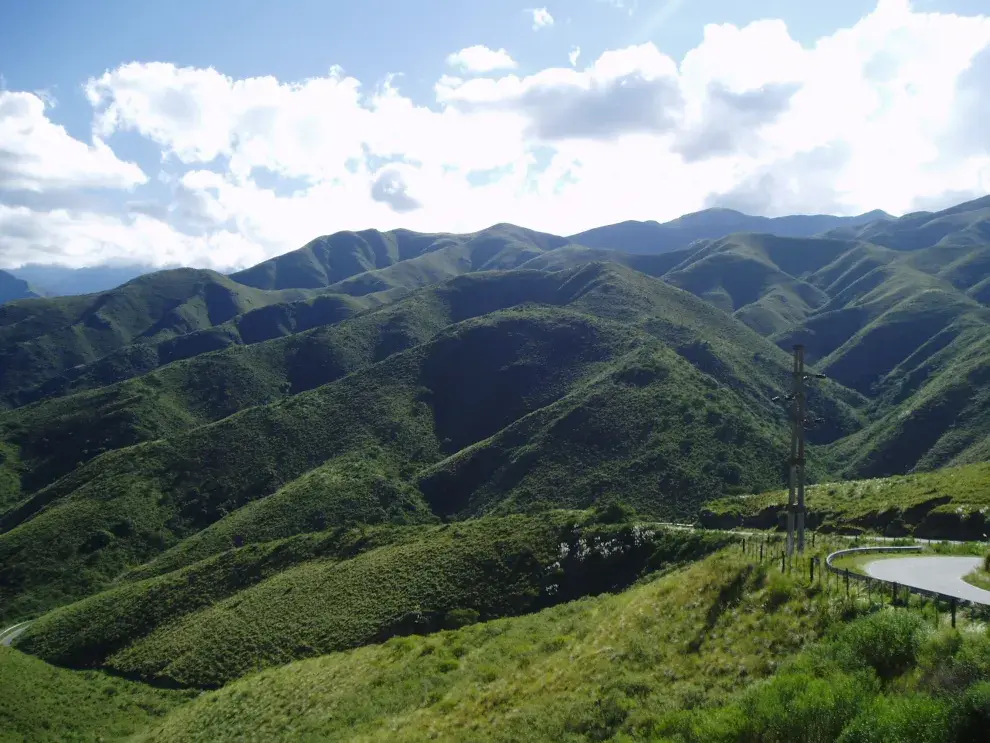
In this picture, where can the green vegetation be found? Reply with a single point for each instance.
(887, 677)
(598, 398)
(587, 669)
(42, 338)
(362, 450)
(419, 583)
(39, 702)
(946, 504)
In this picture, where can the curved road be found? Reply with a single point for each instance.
(10, 634)
(941, 574)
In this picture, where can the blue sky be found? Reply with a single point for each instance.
(694, 103)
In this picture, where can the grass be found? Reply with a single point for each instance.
(39, 702)
(593, 668)
(723, 650)
(180, 628)
(950, 503)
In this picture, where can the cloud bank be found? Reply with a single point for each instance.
(886, 114)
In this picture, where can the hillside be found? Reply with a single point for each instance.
(901, 320)
(13, 288)
(385, 260)
(40, 702)
(722, 650)
(416, 478)
(42, 338)
(531, 418)
(949, 503)
(198, 627)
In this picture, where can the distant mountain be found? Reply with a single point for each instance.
(64, 281)
(711, 224)
(12, 288)
(417, 258)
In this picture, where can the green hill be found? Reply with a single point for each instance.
(711, 652)
(40, 702)
(553, 404)
(42, 338)
(384, 260)
(441, 578)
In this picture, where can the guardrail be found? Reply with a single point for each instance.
(895, 587)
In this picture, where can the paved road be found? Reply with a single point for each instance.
(10, 634)
(942, 574)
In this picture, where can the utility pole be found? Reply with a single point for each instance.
(795, 470)
(798, 444)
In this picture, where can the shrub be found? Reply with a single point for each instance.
(974, 713)
(901, 719)
(887, 641)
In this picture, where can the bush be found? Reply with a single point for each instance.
(901, 719)
(974, 713)
(613, 511)
(888, 641)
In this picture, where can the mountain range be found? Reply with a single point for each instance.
(190, 438)
(632, 237)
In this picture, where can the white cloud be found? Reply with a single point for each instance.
(79, 239)
(37, 155)
(884, 114)
(541, 18)
(572, 56)
(479, 58)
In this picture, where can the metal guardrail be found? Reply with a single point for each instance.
(895, 587)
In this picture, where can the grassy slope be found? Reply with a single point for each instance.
(901, 321)
(42, 338)
(55, 436)
(167, 629)
(586, 669)
(417, 407)
(946, 502)
(268, 322)
(39, 702)
(117, 507)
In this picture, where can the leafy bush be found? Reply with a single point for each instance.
(887, 641)
(902, 719)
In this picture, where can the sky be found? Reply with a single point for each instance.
(220, 134)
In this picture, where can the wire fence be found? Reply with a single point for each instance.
(818, 568)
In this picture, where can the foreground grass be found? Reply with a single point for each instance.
(39, 702)
(590, 669)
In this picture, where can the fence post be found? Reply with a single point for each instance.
(783, 561)
(811, 562)
(893, 594)
(953, 613)
(761, 551)
(847, 582)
